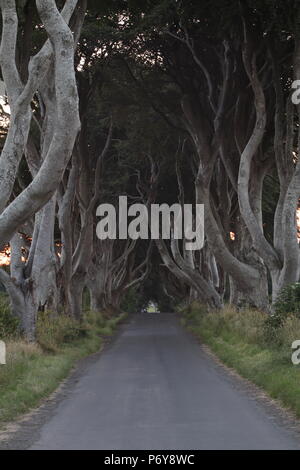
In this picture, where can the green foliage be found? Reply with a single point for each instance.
(9, 325)
(94, 320)
(288, 301)
(193, 314)
(287, 305)
(53, 331)
(272, 329)
(131, 301)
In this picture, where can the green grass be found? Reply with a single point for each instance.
(261, 355)
(34, 371)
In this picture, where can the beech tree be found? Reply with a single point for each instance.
(234, 85)
(51, 77)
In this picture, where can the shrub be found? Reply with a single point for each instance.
(272, 329)
(194, 312)
(288, 301)
(286, 305)
(9, 325)
(131, 301)
(94, 319)
(55, 330)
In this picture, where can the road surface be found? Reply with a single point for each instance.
(154, 387)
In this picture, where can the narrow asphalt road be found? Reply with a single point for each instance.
(155, 388)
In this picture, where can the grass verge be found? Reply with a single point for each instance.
(34, 371)
(246, 342)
